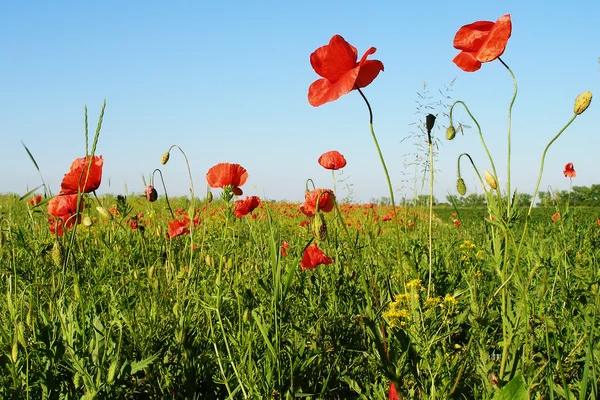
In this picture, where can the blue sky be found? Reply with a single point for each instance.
(227, 81)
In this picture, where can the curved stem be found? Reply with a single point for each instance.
(165, 189)
(512, 102)
(474, 168)
(487, 151)
(387, 176)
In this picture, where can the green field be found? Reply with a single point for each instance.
(115, 312)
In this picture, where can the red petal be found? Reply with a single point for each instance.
(323, 91)
(496, 41)
(471, 37)
(368, 72)
(334, 59)
(467, 61)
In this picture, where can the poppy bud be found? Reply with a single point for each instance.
(319, 226)
(429, 122)
(151, 194)
(87, 221)
(209, 196)
(489, 178)
(165, 158)
(15, 352)
(582, 102)
(57, 254)
(450, 132)
(461, 188)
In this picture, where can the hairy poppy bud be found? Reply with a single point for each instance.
(165, 158)
(57, 254)
(320, 226)
(582, 102)
(450, 132)
(489, 178)
(461, 188)
(151, 193)
(209, 196)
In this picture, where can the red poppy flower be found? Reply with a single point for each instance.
(313, 256)
(78, 175)
(326, 202)
(386, 217)
(285, 246)
(337, 64)
(569, 171)
(556, 217)
(481, 41)
(225, 174)
(177, 228)
(393, 394)
(62, 208)
(332, 160)
(246, 206)
(35, 200)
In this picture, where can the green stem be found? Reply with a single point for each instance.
(512, 102)
(389, 182)
(474, 168)
(430, 215)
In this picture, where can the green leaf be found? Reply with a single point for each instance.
(513, 390)
(143, 364)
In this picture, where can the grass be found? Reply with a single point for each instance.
(133, 314)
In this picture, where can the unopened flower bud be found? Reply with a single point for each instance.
(450, 132)
(582, 102)
(87, 221)
(461, 188)
(319, 226)
(429, 122)
(57, 254)
(151, 193)
(489, 178)
(165, 158)
(209, 197)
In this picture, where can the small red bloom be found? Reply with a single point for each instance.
(481, 41)
(35, 200)
(556, 217)
(225, 174)
(284, 248)
(569, 171)
(246, 206)
(332, 160)
(313, 256)
(598, 222)
(393, 395)
(326, 200)
(457, 223)
(177, 228)
(63, 208)
(78, 176)
(133, 223)
(337, 64)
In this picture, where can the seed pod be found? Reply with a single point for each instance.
(582, 102)
(461, 188)
(450, 132)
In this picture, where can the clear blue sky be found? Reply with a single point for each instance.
(227, 81)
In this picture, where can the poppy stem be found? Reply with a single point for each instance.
(474, 167)
(510, 107)
(389, 182)
(165, 189)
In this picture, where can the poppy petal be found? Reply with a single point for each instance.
(467, 61)
(470, 37)
(496, 41)
(323, 91)
(334, 59)
(368, 72)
